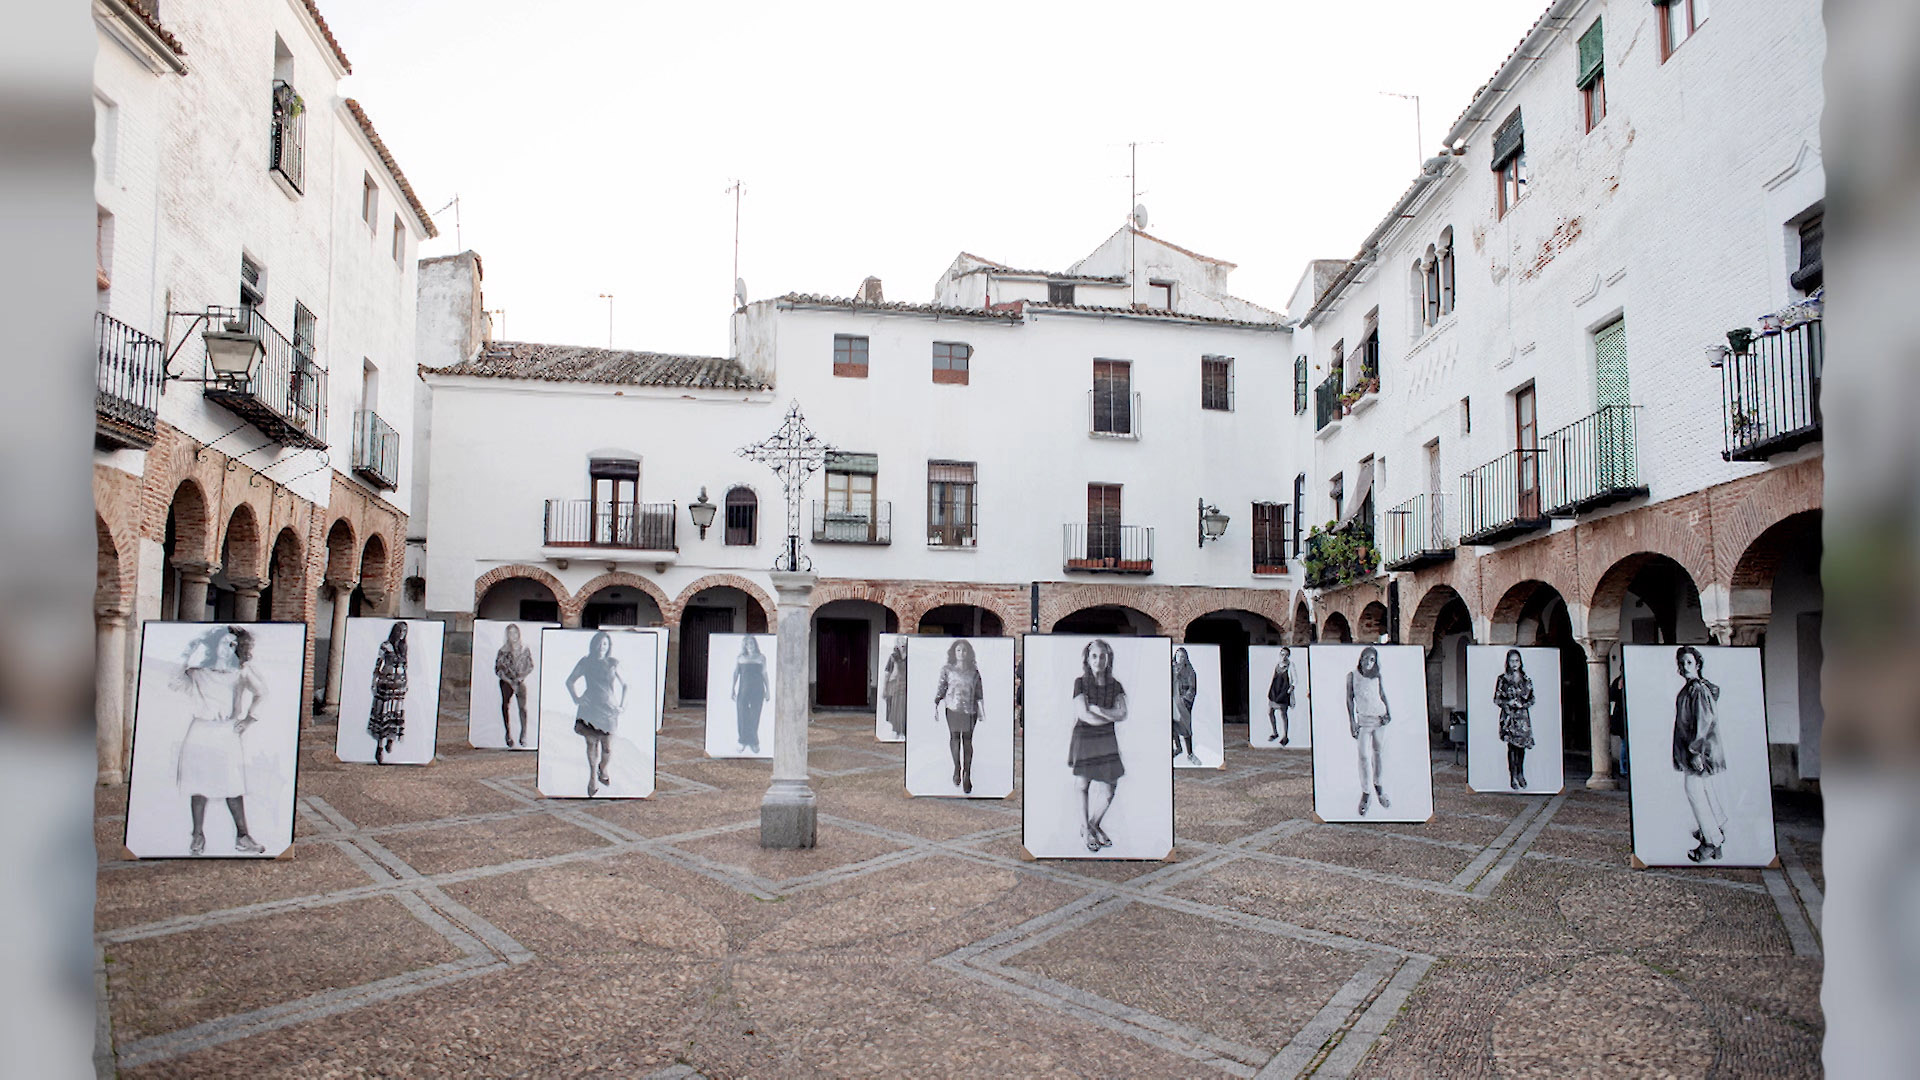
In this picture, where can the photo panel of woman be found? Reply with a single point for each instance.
(1513, 720)
(960, 731)
(1697, 732)
(740, 678)
(597, 693)
(503, 702)
(215, 740)
(1370, 753)
(1199, 732)
(1099, 762)
(390, 691)
(890, 716)
(1277, 698)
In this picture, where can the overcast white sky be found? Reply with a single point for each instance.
(590, 141)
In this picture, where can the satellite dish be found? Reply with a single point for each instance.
(740, 292)
(1140, 215)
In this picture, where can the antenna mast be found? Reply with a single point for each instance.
(455, 204)
(737, 189)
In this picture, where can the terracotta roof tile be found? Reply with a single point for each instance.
(620, 367)
(884, 306)
(1155, 313)
(140, 8)
(1060, 275)
(386, 158)
(327, 32)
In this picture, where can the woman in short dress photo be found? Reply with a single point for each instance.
(1697, 753)
(387, 721)
(895, 689)
(511, 665)
(1186, 688)
(749, 693)
(1280, 698)
(222, 690)
(597, 709)
(1367, 713)
(958, 699)
(1513, 696)
(1099, 702)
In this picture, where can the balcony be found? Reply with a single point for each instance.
(1326, 401)
(286, 137)
(285, 397)
(1107, 549)
(376, 450)
(1501, 499)
(588, 527)
(1591, 462)
(868, 523)
(128, 372)
(1113, 415)
(1770, 394)
(1418, 533)
(1339, 557)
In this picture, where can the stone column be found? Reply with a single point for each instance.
(194, 577)
(109, 692)
(1603, 777)
(672, 645)
(246, 599)
(337, 648)
(787, 814)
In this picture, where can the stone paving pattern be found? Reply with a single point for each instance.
(445, 920)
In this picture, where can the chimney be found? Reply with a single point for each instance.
(870, 291)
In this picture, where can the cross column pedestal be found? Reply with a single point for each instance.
(788, 816)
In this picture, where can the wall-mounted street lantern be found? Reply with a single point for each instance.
(233, 350)
(701, 511)
(1213, 523)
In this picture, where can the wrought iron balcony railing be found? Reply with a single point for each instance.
(1591, 462)
(1501, 499)
(129, 370)
(592, 523)
(1771, 394)
(376, 450)
(285, 397)
(1326, 400)
(1109, 549)
(953, 534)
(1340, 557)
(1113, 415)
(1417, 533)
(286, 136)
(850, 523)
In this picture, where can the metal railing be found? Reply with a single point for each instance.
(1417, 532)
(1112, 549)
(961, 534)
(1340, 557)
(871, 523)
(285, 397)
(1591, 462)
(1502, 498)
(1113, 416)
(1326, 400)
(1771, 394)
(128, 372)
(376, 449)
(629, 525)
(286, 136)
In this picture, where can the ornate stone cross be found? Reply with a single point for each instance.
(794, 453)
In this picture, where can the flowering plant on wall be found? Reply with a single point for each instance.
(1337, 557)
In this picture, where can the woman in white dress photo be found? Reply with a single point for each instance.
(222, 690)
(597, 708)
(1367, 713)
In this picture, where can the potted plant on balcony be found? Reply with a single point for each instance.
(1741, 338)
(287, 102)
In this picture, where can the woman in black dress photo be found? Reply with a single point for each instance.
(387, 720)
(749, 693)
(598, 710)
(1280, 698)
(1697, 753)
(1099, 702)
(1186, 689)
(511, 665)
(895, 691)
(961, 693)
(1513, 696)
(223, 690)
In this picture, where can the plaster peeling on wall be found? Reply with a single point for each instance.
(1480, 239)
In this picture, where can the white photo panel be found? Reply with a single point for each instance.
(890, 711)
(1370, 723)
(740, 684)
(503, 701)
(960, 727)
(663, 640)
(1277, 698)
(1104, 789)
(597, 691)
(1697, 744)
(1513, 720)
(216, 740)
(1200, 734)
(390, 691)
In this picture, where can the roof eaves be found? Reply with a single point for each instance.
(392, 166)
(894, 307)
(327, 33)
(1143, 234)
(141, 13)
(1160, 316)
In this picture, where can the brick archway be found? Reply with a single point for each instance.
(572, 606)
(485, 582)
(241, 553)
(113, 586)
(872, 592)
(1603, 607)
(1372, 622)
(1505, 619)
(1300, 631)
(192, 524)
(732, 581)
(343, 553)
(1336, 630)
(1426, 613)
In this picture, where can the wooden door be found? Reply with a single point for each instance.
(1103, 521)
(842, 663)
(1526, 436)
(697, 624)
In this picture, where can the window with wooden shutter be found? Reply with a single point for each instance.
(850, 356)
(1808, 276)
(951, 504)
(1269, 538)
(743, 517)
(1216, 383)
(1103, 521)
(1299, 385)
(951, 360)
(1112, 397)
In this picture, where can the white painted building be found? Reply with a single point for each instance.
(245, 203)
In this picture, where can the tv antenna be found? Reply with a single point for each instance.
(608, 297)
(1419, 138)
(455, 204)
(1136, 219)
(737, 189)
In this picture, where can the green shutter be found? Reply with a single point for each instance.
(1590, 55)
(1614, 447)
(1508, 139)
(868, 464)
(1610, 365)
